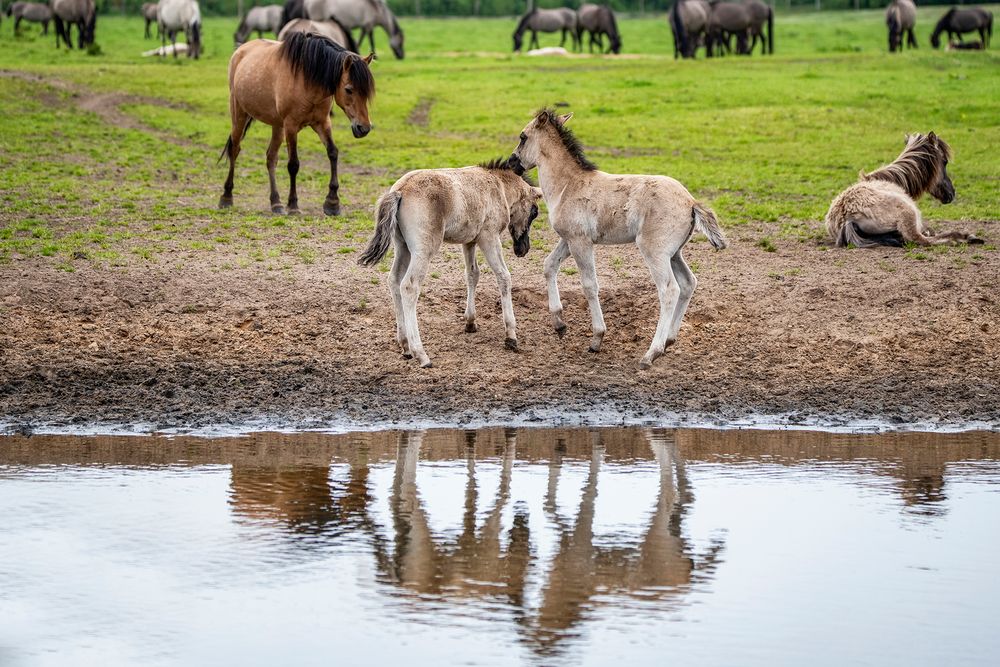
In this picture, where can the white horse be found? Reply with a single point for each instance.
(176, 15)
(472, 206)
(262, 19)
(588, 207)
(364, 14)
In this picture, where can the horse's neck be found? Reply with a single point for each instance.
(556, 173)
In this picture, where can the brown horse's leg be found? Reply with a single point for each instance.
(272, 164)
(332, 204)
(239, 127)
(291, 140)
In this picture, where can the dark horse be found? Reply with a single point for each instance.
(957, 21)
(292, 85)
(689, 25)
(598, 20)
(901, 17)
(293, 9)
(82, 14)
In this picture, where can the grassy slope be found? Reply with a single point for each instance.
(768, 141)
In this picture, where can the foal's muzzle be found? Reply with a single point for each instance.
(360, 130)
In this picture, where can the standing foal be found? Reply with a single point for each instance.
(588, 207)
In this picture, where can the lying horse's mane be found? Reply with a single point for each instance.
(568, 139)
(918, 167)
(321, 61)
(503, 164)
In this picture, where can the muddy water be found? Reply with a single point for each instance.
(500, 547)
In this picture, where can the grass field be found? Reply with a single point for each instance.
(768, 141)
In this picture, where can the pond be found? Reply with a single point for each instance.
(501, 546)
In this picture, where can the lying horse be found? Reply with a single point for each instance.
(957, 21)
(34, 12)
(588, 207)
(598, 20)
(901, 17)
(291, 85)
(262, 19)
(880, 209)
(331, 29)
(471, 206)
(546, 20)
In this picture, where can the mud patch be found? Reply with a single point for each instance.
(420, 115)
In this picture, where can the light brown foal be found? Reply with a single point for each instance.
(291, 85)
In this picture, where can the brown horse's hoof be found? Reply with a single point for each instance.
(331, 209)
(225, 202)
(294, 211)
(510, 344)
(278, 209)
(471, 327)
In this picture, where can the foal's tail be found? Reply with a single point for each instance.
(851, 234)
(385, 229)
(706, 222)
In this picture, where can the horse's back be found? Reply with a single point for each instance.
(252, 73)
(327, 29)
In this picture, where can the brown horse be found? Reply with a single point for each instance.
(291, 85)
(880, 210)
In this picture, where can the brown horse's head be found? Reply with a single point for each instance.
(355, 89)
(543, 136)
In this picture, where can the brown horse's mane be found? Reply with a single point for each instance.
(503, 164)
(918, 167)
(569, 140)
(321, 60)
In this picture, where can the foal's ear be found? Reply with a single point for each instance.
(933, 138)
(564, 118)
(369, 58)
(537, 192)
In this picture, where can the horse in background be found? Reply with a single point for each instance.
(149, 14)
(958, 21)
(598, 20)
(880, 209)
(82, 14)
(291, 10)
(331, 29)
(364, 14)
(761, 15)
(547, 20)
(262, 19)
(689, 26)
(35, 12)
(176, 15)
(901, 17)
(292, 85)
(725, 20)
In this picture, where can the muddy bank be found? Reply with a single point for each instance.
(801, 335)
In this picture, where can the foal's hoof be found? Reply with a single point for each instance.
(278, 209)
(225, 202)
(407, 355)
(510, 344)
(593, 350)
(974, 240)
(645, 365)
(331, 209)
(427, 364)
(561, 330)
(471, 327)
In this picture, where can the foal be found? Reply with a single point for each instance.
(587, 206)
(880, 210)
(471, 206)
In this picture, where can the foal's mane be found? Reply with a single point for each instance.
(321, 61)
(569, 140)
(503, 164)
(918, 167)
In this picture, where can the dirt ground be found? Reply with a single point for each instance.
(810, 333)
(802, 333)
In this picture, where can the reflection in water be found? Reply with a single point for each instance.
(529, 549)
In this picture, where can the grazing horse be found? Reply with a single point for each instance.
(957, 21)
(35, 12)
(364, 14)
(588, 207)
(472, 206)
(82, 14)
(901, 17)
(330, 29)
(262, 19)
(880, 210)
(688, 24)
(546, 20)
(291, 85)
(761, 14)
(598, 20)
(176, 15)
(149, 14)
(725, 20)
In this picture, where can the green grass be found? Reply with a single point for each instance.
(765, 140)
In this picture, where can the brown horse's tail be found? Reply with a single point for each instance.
(227, 151)
(706, 222)
(385, 228)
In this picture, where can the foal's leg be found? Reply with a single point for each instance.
(272, 164)
(332, 204)
(494, 257)
(291, 140)
(471, 280)
(687, 282)
(911, 226)
(668, 291)
(409, 293)
(400, 264)
(583, 255)
(552, 263)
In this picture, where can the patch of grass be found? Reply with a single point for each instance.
(766, 244)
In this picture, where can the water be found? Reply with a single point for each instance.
(570, 546)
